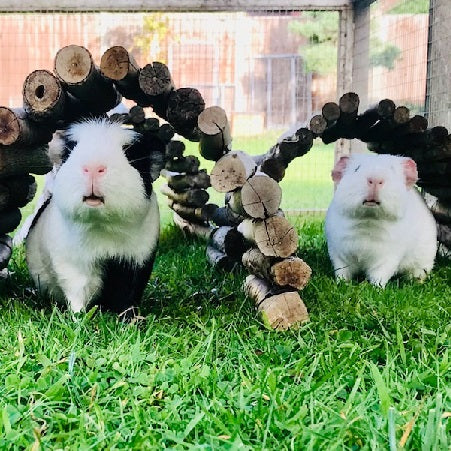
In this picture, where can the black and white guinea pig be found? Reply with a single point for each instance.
(378, 224)
(94, 240)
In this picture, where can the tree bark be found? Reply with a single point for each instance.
(215, 137)
(191, 198)
(16, 129)
(182, 182)
(195, 214)
(188, 165)
(184, 107)
(224, 216)
(228, 240)
(189, 228)
(76, 69)
(175, 149)
(218, 259)
(24, 160)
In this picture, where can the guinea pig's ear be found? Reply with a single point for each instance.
(338, 170)
(410, 171)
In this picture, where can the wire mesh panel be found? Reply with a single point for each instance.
(255, 65)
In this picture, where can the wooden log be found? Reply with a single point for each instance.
(274, 236)
(219, 260)
(228, 240)
(24, 160)
(188, 165)
(231, 171)
(184, 107)
(330, 112)
(76, 69)
(401, 115)
(260, 196)
(44, 98)
(291, 271)
(175, 149)
(6, 245)
(120, 66)
(189, 228)
(196, 214)
(9, 220)
(136, 115)
(386, 108)
(215, 137)
(276, 160)
(318, 124)
(191, 198)
(16, 129)
(17, 191)
(155, 80)
(444, 234)
(182, 182)
(165, 132)
(224, 216)
(279, 310)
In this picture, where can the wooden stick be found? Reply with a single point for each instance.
(224, 216)
(44, 98)
(190, 228)
(279, 310)
(188, 165)
(195, 214)
(291, 271)
(75, 68)
(191, 198)
(231, 171)
(260, 196)
(444, 234)
(23, 161)
(215, 137)
(16, 129)
(228, 240)
(175, 149)
(218, 259)
(182, 182)
(184, 107)
(274, 236)
(120, 66)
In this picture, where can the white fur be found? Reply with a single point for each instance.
(66, 247)
(398, 236)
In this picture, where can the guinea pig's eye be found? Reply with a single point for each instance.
(357, 168)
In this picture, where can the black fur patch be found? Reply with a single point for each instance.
(123, 284)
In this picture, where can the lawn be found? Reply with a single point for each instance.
(199, 371)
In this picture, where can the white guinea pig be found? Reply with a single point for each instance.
(378, 224)
(95, 238)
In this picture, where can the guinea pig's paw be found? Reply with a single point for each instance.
(418, 274)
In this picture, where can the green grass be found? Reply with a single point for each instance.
(201, 372)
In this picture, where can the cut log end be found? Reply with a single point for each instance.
(115, 63)
(9, 127)
(73, 64)
(41, 90)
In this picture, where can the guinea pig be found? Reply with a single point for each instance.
(94, 239)
(377, 224)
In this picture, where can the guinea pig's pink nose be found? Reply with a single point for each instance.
(95, 171)
(373, 181)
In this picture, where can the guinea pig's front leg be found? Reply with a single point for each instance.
(343, 270)
(78, 286)
(379, 274)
